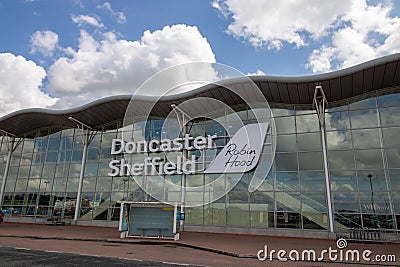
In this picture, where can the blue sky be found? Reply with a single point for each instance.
(64, 53)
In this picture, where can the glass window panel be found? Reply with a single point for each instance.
(77, 155)
(28, 146)
(375, 202)
(364, 104)
(346, 202)
(278, 112)
(194, 216)
(262, 219)
(312, 181)
(391, 136)
(337, 121)
(263, 201)
(339, 140)
(48, 171)
(364, 118)
(348, 220)
(287, 201)
(314, 221)
(395, 180)
(286, 143)
(314, 202)
(38, 158)
(237, 200)
(236, 218)
(21, 185)
(372, 178)
(307, 123)
(13, 172)
(390, 116)
(15, 159)
(24, 171)
(393, 157)
(74, 170)
(103, 184)
(378, 221)
(303, 110)
(51, 157)
(396, 201)
(62, 170)
(89, 184)
(310, 161)
(33, 185)
(72, 185)
(389, 100)
(287, 181)
(60, 184)
(285, 125)
(53, 144)
(368, 138)
(286, 161)
(91, 169)
(66, 142)
(26, 159)
(93, 154)
(369, 159)
(309, 142)
(288, 220)
(343, 181)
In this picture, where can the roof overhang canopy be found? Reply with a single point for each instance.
(339, 85)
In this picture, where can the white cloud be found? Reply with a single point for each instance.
(20, 84)
(82, 20)
(44, 42)
(370, 32)
(351, 31)
(258, 72)
(113, 66)
(271, 23)
(120, 16)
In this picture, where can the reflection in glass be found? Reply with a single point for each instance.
(363, 103)
(346, 202)
(366, 138)
(337, 121)
(390, 116)
(364, 118)
(369, 159)
(341, 160)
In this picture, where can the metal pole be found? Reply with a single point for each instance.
(183, 177)
(78, 198)
(3, 184)
(327, 182)
(319, 103)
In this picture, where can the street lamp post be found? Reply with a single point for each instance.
(372, 192)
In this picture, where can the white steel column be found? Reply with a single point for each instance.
(86, 139)
(183, 120)
(320, 104)
(3, 184)
(83, 165)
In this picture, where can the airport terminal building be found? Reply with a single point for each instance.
(336, 161)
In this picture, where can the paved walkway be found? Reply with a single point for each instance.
(237, 246)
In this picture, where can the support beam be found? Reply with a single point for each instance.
(320, 103)
(183, 119)
(3, 184)
(11, 145)
(86, 139)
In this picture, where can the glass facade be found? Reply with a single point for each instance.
(363, 151)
